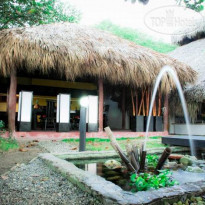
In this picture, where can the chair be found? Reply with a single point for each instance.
(50, 120)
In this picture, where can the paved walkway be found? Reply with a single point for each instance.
(35, 183)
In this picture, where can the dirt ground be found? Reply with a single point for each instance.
(15, 157)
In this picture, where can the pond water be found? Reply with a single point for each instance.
(121, 177)
(118, 176)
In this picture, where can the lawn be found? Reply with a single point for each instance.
(136, 37)
(97, 144)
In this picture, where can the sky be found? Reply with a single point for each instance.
(137, 16)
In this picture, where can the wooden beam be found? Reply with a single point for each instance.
(166, 113)
(123, 108)
(101, 96)
(12, 103)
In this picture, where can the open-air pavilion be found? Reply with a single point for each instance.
(192, 53)
(73, 57)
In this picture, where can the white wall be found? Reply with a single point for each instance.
(180, 129)
(115, 116)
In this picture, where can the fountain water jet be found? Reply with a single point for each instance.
(168, 69)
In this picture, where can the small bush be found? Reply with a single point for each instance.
(6, 143)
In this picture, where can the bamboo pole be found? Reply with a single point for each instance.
(147, 102)
(142, 99)
(133, 157)
(143, 105)
(154, 110)
(117, 148)
(159, 102)
(133, 104)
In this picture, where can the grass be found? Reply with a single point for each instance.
(8, 143)
(98, 144)
(136, 36)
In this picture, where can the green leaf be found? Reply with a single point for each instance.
(31, 11)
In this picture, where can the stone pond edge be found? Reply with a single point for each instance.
(109, 193)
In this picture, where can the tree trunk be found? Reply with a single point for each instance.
(100, 111)
(12, 103)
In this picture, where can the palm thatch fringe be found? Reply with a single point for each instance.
(189, 33)
(176, 109)
(193, 54)
(73, 51)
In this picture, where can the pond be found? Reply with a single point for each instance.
(121, 177)
(91, 176)
(118, 176)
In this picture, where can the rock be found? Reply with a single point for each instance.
(187, 202)
(122, 181)
(112, 164)
(115, 178)
(179, 203)
(194, 169)
(198, 198)
(188, 160)
(185, 161)
(171, 165)
(111, 173)
(200, 203)
(193, 199)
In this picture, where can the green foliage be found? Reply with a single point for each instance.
(6, 143)
(136, 36)
(192, 4)
(146, 181)
(152, 160)
(17, 13)
(2, 125)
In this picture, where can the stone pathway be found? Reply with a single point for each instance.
(35, 184)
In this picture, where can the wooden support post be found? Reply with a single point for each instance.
(11, 106)
(166, 113)
(100, 111)
(123, 108)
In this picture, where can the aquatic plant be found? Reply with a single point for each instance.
(146, 181)
(152, 160)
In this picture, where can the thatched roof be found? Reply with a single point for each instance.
(78, 51)
(189, 33)
(193, 54)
